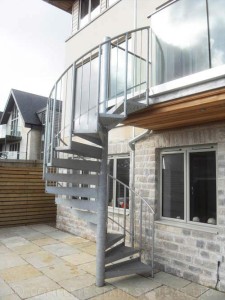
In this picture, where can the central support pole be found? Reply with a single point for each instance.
(102, 214)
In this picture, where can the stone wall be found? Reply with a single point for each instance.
(191, 252)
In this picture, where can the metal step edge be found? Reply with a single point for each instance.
(132, 266)
(132, 106)
(113, 238)
(82, 149)
(120, 253)
(73, 178)
(76, 164)
(72, 191)
(78, 204)
(93, 138)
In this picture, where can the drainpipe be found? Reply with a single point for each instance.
(131, 144)
(27, 141)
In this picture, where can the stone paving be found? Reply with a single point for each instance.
(39, 262)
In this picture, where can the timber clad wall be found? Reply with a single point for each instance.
(22, 195)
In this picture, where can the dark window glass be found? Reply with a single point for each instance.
(203, 187)
(123, 173)
(173, 186)
(94, 4)
(84, 8)
(180, 41)
(217, 31)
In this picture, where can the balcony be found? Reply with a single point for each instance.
(9, 134)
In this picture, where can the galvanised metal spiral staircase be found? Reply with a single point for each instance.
(95, 94)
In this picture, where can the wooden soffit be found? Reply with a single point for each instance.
(187, 111)
(64, 5)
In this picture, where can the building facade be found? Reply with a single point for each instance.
(173, 146)
(22, 126)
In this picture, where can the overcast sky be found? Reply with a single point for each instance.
(32, 41)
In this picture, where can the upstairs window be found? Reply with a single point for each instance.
(188, 185)
(14, 122)
(89, 9)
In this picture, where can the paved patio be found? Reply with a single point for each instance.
(39, 262)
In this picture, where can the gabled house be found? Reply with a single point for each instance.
(158, 66)
(22, 126)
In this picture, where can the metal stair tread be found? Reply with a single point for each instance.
(76, 164)
(92, 179)
(81, 149)
(87, 205)
(73, 191)
(113, 238)
(91, 137)
(132, 266)
(119, 252)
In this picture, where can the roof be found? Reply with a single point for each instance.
(28, 104)
(65, 5)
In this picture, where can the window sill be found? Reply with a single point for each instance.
(189, 226)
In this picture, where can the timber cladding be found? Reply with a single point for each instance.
(22, 195)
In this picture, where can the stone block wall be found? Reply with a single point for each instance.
(191, 252)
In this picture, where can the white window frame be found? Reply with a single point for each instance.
(115, 158)
(89, 17)
(186, 151)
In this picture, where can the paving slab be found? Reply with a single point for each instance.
(43, 228)
(14, 241)
(62, 271)
(134, 285)
(41, 259)
(91, 249)
(77, 282)
(45, 241)
(58, 235)
(60, 294)
(34, 286)
(171, 280)
(89, 267)
(92, 291)
(166, 293)
(79, 258)
(4, 249)
(60, 249)
(74, 240)
(19, 273)
(25, 249)
(9, 260)
(10, 297)
(5, 290)
(115, 294)
(212, 295)
(194, 290)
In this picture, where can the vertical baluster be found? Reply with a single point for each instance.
(124, 213)
(89, 88)
(99, 77)
(117, 64)
(126, 71)
(140, 242)
(81, 88)
(73, 101)
(140, 64)
(153, 242)
(147, 68)
(53, 126)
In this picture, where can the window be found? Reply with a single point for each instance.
(111, 2)
(188, 184)
(89, 9)
(119, 168)
(14, 122)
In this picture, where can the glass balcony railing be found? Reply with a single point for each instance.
(9, 131)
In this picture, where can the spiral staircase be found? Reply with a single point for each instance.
(95, 94)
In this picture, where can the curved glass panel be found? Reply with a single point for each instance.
(217, 31)
(180, 41)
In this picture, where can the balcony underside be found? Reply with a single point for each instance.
(10, 139)
(186, 111)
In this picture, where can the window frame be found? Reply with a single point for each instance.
(115, 158)
(186, 151)
(89, 18)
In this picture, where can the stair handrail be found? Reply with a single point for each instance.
(131, 231)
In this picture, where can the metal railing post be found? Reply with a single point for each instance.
(102, 215)
(53, 126)
(105, 69)
(124, 213)
(140, 229)
(73, 100)
(147, 69)
(125, 75)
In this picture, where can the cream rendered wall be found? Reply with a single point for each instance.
(115, 20)
(34, 144)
